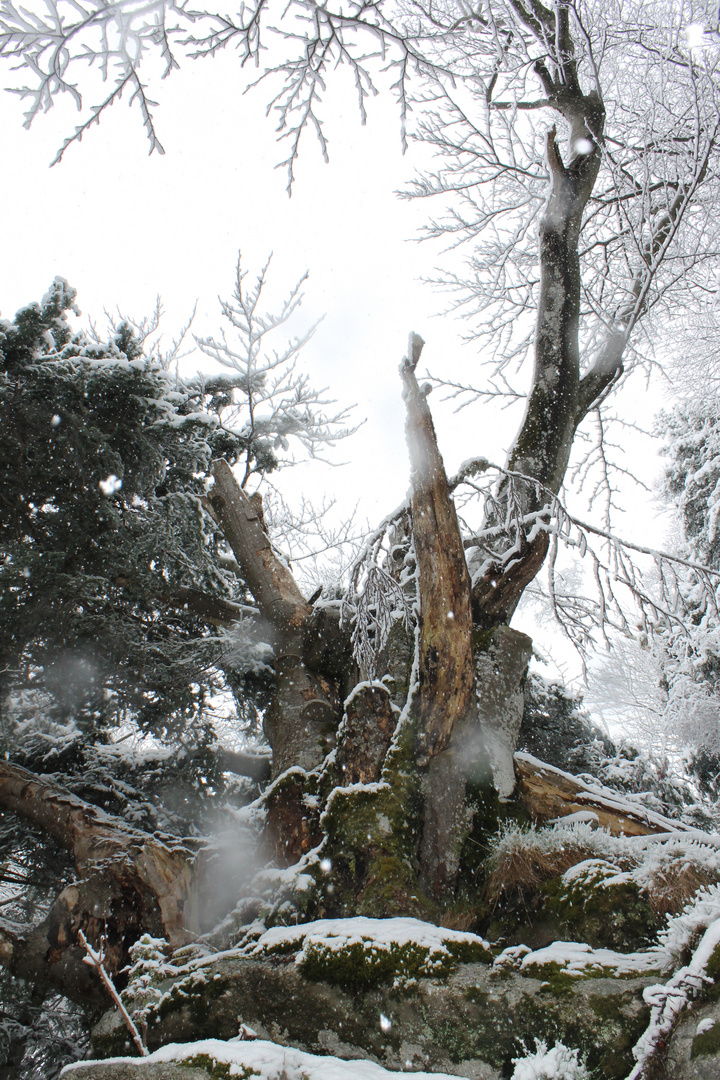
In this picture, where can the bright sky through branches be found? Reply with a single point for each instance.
(123, 227)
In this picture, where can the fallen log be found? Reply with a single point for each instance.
(129, 883)
(548, 793)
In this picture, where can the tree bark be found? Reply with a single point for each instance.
(303, 717)
(447, 675)
(446, 670)
(501, 668)
(128, 883)
(541, 449)
(549, 794)
(268, 578)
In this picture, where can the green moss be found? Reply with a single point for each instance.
(711, 991)
(195, 994)
(609, 1006)
(362, 965)
(217, 1070)
(494, 1030)
(115, 1043)
(560, 984)
(372, 836)
(612, 916)
(553, 971)
(469, 952)
(707, 1043)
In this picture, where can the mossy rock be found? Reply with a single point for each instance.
(362, 965)
(603, 1026)
(473, 1016)
(139, 1070)
(706, 1043)
(218, 1070)
(594, 902)
(557, 980)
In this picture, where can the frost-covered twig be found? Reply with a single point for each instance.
(508, 528)
(264, 402)
(95, 958)
(668, 1001)
(382, 588)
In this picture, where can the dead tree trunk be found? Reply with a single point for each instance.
(302, 719)
(446, 673)
(301, 722)
(447, 676)
(128, 883)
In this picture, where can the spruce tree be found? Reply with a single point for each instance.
(102, 471)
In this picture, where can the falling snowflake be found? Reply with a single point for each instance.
(111, 485)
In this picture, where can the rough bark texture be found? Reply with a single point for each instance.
(446, 669)
(292, 820)
(94, 838)
(555, 404)
(302, 719)
(447, 676)
(305, 711)
(501, 669)
(446, 820)
(367, 730)
(268, 578)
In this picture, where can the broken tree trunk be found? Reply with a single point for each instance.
(446, 670)
(305, 711)
(129, 883)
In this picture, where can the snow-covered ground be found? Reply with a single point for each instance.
(272, 1062)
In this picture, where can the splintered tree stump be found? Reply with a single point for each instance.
(446, 670)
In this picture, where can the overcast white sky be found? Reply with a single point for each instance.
(123, 227)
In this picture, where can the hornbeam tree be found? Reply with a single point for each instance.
(394, 710)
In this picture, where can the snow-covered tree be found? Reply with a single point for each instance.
(595, 126)
(101, 476)
(689, 656)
